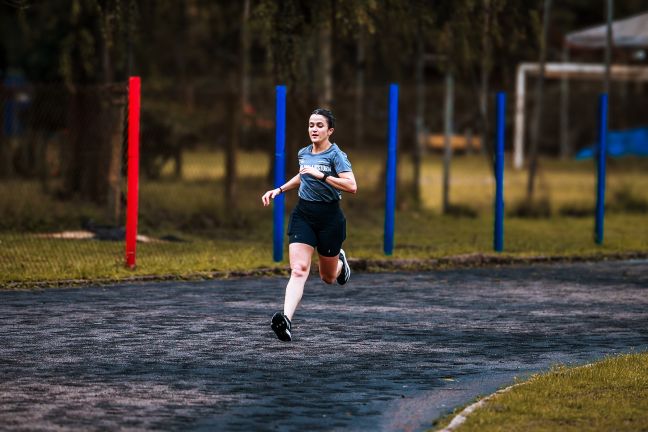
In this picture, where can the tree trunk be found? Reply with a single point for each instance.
(270, 72)
(113, 117)
(486, 65)
(360, 89)
(177, 162)
(236, 108)
(186, 91)
(447, 143)
(282, 47)
(95, 121)
(115, 167)
(326, 47)
(7, 139)
(565, 145)
(537, 114)
(6, 167)
(469, 141)
(233, 108)
(245, 70)
(609, 42)
(417, 155)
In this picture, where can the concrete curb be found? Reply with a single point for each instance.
(460, 418)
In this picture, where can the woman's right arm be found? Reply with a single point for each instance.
(289, 185)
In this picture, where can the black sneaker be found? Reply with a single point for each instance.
(281, 326)
(345, 274)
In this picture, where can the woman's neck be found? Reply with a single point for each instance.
(321, 146)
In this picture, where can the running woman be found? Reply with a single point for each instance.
(316, 222)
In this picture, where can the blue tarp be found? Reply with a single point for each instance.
(629, 142)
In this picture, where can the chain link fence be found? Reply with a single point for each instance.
(61, 153)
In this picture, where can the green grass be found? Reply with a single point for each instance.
(610, 395)
(209, 165)
(39, 259)
(419, 236)
(221, 237)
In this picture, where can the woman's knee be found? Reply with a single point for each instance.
(299, 269)
(328, 277)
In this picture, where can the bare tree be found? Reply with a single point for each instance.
(93, 164)
(360, 88)
(448, 114)
(539, 93)
(485, 71)
(417, 155)
(609, 42)
(326, 51)
(236, 108)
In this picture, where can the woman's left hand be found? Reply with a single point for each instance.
(270, 195)
(311, 171)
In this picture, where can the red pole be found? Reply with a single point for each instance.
(134, 86)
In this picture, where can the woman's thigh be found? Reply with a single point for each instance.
(331, 235)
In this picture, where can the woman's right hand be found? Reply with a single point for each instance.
(270, 195)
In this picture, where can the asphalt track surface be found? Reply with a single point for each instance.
(385, 352)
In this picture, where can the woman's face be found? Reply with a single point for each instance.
(318, 129)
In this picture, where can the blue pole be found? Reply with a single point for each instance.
(390, 192)
(498, 241)
(601, 153)
(280, 171)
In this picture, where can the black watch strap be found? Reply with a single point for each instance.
(325, 175)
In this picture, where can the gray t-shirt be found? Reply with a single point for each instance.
(333, 161)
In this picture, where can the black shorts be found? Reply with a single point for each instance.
(319, 224)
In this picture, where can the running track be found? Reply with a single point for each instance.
(386, 352)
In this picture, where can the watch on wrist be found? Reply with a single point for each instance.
(325, 175)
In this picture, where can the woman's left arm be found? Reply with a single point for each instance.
(345, 182)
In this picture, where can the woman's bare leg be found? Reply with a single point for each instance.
(300, 263)
(329, 268)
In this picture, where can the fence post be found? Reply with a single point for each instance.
(390, 189)
(498, 241)
(134, 87)
(280, 171)
(601, 158)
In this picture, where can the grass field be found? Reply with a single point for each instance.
(223, 237)
(610, 395)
